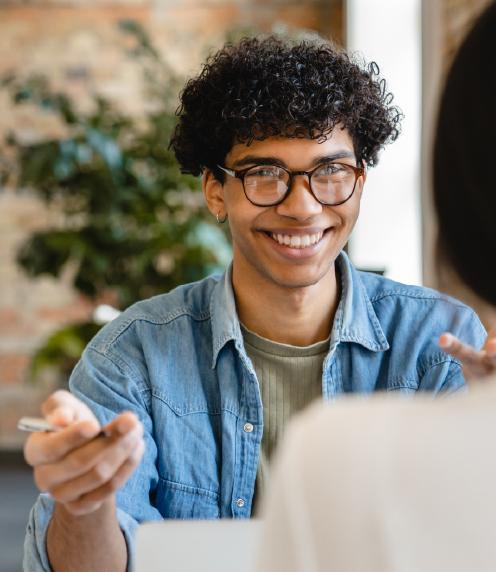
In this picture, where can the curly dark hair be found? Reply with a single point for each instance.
(267, 87)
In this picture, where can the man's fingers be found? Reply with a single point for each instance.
(476, 371)
(62, 408)
(87, 502)
(453, 346)
(62, 416)
(490, 347)
(88, 469)
(122, 424)
(44, 448)
(475, 363)
(76, 465)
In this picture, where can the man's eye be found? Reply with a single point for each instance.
(265, 172)
(331, 169)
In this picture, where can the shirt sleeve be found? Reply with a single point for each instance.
(35, 553)
(109, 387)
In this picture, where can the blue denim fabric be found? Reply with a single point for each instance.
(178, 362)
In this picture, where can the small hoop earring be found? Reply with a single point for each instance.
(219, 220)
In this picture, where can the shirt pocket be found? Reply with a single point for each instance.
(180, 501)
(402, 384)
(403, 389)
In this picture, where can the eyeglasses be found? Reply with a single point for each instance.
(331, 184)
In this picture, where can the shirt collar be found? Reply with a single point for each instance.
(355, 319)
(225, 323)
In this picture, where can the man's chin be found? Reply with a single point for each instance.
(298, 282)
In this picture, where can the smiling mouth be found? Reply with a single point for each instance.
(297, 240)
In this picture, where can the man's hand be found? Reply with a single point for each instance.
(476, 364)
(80, 466)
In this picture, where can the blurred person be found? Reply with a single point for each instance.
(193, 388)
(403, 486)
(465, 187)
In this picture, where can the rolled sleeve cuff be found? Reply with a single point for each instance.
(35, 551)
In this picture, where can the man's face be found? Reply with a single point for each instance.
(316, 233)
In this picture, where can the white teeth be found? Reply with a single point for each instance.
(298, 240)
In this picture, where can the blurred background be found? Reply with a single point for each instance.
(94, 213)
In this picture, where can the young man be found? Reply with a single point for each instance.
(194, 387)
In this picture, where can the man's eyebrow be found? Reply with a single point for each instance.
(259, 160)
(256, 160)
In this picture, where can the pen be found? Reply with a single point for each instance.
(36, 424)
(33, 424)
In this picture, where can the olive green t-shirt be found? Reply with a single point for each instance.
(290, 377)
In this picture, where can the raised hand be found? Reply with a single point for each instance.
(476, 363)
(83, 464)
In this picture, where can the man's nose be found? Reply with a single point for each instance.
(300, 203)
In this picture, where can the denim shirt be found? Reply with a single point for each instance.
(178, 361)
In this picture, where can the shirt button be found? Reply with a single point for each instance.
(247, 427)
(240, 503)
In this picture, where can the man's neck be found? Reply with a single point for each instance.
(295, 316)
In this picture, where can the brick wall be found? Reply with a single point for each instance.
(77, 44)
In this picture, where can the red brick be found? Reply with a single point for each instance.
(77, 312)
(9, 316)
(13, 368)
(12, 324)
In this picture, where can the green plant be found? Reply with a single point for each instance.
(132, 223)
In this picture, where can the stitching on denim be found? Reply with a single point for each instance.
(401, 382)
(122, 365)
(190, 489)
(189, 408)
(399, 387)
(420, 295)
(434, 361)
(372, 344)
(220, 343)
(203, 316)
(454, 372)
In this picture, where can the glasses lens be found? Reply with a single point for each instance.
(266, 184)
(333, 183)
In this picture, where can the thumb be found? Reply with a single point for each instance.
(63, 408)
(490, 344)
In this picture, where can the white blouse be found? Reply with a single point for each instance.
(386, 484)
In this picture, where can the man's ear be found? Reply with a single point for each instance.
(213, 191)
(363, 177)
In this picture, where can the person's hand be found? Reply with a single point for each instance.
(83, 464)
(476, 363)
